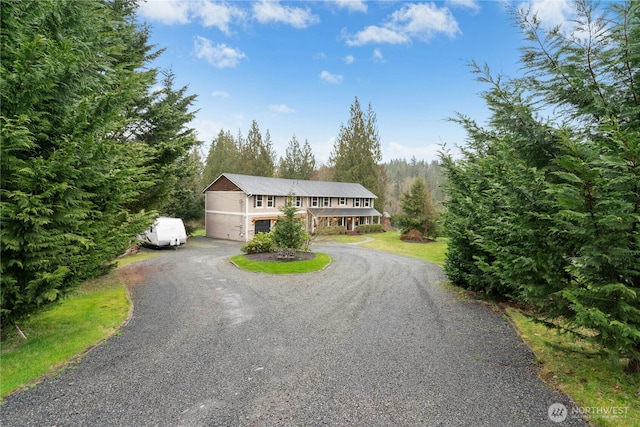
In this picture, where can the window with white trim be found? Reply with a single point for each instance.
(342, 201)
(314, 202)
(271, 201)
(295, 201)
(326, 202)
(257, 201)
(356, 202)
(366, 203)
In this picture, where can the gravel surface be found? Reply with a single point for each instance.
(372, 340)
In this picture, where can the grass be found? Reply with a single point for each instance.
(434, 252)
(289, 267)
(594, 379)
(92, 313)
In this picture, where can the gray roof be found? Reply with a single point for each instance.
(281, 187)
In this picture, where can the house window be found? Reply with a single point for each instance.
(342, 201)
(326, 202)
(271, 201)
(257, 201)
(356, 203)
(366, 203)
(314, 202)
(295, 201)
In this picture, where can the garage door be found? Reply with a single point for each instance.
(263, 226)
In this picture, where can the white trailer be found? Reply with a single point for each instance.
(165, 232)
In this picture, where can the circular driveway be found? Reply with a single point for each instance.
(372, 340)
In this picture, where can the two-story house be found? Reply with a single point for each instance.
(239, 206)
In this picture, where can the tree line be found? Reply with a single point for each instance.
(544, 206)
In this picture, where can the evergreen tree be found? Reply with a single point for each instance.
(356, 153)
(162, 127)
(222, 157)
(418, 211)
(298, 162)
(289, 231)
(257, 156)
(186, 200)
(546, 211)
(71, 74)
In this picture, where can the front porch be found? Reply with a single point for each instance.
(350, 218)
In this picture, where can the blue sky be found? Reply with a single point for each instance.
(296, 67)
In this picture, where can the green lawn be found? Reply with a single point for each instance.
(87, 316)
(593, 378)
(95, 311)
(389, 241)
(288, 267)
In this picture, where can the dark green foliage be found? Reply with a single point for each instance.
(418, 211)
(222, 157)
(356, 154)
(161, 125)
(289, 231)
(257, 156)
(261, 243)
(331, 230)
(72, 79)
(370, 228)
(547, 212)
(185, 199)
(298, 162)
(401, 174)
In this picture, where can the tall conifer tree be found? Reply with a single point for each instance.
(357, 154)
(546, 211)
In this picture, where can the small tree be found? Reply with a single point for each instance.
(289, 231)
(418, 212)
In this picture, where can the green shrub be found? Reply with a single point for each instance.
(331, 230)
(289, 231)
(370, 228)
(261, 243)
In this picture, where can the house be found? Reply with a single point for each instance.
(239, 206)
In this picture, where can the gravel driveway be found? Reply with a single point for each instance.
(372, 340)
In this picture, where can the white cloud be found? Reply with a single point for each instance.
(220, 55)
(272, 11)
(174, 12)
(352, 5)
(421, 21)
(349, 59)
(220, 94)
(425, 20)
(330, 78)
(281, 108)
(375, 34)
(550, 12)
(167, 12)
(217, 15)
(377, 55)
(468, 4)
